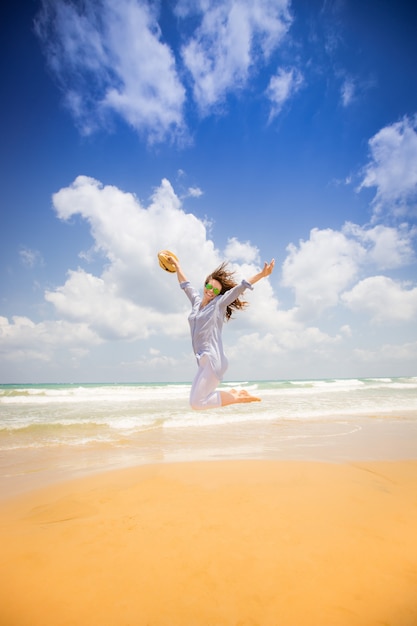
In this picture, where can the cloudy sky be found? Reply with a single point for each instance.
(236, 130)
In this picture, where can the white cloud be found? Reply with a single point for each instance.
(195, 192)
(150, 94)
(390, 352)
(131, 303)
(232, 36)
(131, 299)
(348, 91)
(320, 269)
(130, 296)
(30, 258)
(387, 247)
(241, 251)
(281, 88)
(23, 339)
(94, 301)
(392, 168)
(281, 351)
(294, 338)
(346, 330)
(108, 57)
(384, 299)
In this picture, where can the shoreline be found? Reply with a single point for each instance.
(336, 441)
(222, 542)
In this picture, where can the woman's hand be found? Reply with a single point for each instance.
(180, 274)
(266, 271)
(173, 262)
(268, 268)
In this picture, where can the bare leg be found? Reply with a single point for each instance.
(237, 397)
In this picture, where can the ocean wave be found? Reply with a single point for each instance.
(76, 414)
(88, 393)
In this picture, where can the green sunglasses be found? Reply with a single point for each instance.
(215, 290)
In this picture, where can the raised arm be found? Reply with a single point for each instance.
(180, 274)
(266, 271)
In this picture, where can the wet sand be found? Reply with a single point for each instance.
(339, 440)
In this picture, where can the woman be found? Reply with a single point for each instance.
(220, 297)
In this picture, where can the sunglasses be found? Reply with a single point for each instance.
(215, 290)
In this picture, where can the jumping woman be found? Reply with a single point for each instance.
(221, 296)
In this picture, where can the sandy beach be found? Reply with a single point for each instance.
(119, 506)
(219, 543)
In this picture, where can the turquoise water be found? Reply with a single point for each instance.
(51, 432)
(48, 415)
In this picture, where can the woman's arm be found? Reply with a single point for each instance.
(180, 274)
(266, 271)
(229, 296)
(188, 289)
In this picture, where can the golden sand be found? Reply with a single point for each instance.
(233, 543)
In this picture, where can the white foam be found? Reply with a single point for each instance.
(44, 415)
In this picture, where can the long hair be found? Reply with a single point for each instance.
(227, 280)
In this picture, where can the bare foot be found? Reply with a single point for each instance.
(244, 396)
(235, 396)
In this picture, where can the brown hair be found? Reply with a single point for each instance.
(227, 280)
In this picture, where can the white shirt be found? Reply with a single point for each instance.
(206, 323)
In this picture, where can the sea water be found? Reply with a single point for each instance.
(52, 432)
(79, 414)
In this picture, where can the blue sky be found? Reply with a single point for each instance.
(239, 130)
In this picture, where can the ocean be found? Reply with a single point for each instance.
(79, 427)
